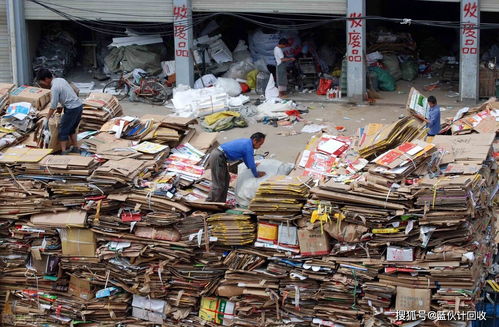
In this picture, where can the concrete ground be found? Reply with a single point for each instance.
(286, 148)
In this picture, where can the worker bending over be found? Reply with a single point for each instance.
(240, 149)
(63, 93)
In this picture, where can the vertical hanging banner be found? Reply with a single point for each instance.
(470, 49)
(355, 39)
(182, 28)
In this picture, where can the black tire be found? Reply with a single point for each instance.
(154, 93)
(120, 91)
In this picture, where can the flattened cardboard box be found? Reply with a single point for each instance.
(78, 242)
(313, 242)
(81, 288)
(412, 299)
(24, 155)
(72, 218)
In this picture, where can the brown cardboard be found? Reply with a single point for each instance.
(470, 147)
(72, 218)
(412, 299)
(313, 242)
(79, 242)
(5, 88)
(200, 140)
(345, 232)
(81, 288)
(15, 155)
(36, 96)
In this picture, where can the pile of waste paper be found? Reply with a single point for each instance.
(363, 230)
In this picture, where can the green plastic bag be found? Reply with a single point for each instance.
(385, 81)
(409, 70)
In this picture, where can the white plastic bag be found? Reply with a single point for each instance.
(247, 184)
(240, 69)
(205, 81)
(229, 85)
(271, 91)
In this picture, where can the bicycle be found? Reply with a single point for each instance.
(150, 89)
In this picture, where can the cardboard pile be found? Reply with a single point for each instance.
(5, 89)
(482, 119)
(391, 223)
(280, 195)
(98, 108)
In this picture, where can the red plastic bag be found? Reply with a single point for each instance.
(324, 85)
(244, 88)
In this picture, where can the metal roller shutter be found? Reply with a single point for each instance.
(275, 6)
(113, 10)
(490, 5)
(5, 65)
(486, 5)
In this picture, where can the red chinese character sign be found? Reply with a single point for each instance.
(182, 30)
(470, 48)
(180, 19)
(355, 41)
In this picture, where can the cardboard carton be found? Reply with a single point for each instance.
(78, 242)
(81, 288)
(72, 218)
(313, 242)
(217, 310)
(412, 299)
(36, 96)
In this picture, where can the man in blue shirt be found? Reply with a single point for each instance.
(240, 149)
(433, 118)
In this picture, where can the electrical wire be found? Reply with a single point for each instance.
(47, 3)
(300, 23)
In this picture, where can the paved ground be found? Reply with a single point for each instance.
(286, 148)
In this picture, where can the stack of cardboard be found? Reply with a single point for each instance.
(280, 195)
(482, 119)
(98, 108)
(122, 171)
(113, 239)
(375, 139)
(327, 156)
(232, 228)
(5, 89)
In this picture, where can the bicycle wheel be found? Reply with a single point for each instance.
(117, 88)
(154, 93)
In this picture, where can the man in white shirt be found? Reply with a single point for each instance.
(281, 70)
